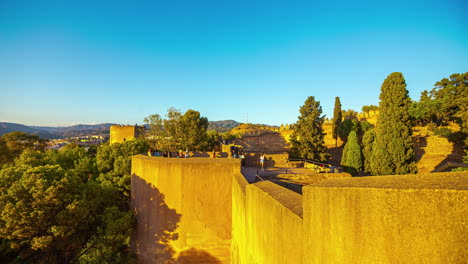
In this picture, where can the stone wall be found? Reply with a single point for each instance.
(119, 134)
(267, 224)
(271, 142)
(387, 219)
(202, 210)
(183, 209)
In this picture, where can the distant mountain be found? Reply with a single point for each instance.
(56, 132)
(85, 130)
(78, 130)
(223, 125)
(11, 127)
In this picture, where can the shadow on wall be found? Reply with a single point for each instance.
(419, 143)
(159, 229)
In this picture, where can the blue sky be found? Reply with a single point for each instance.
(71, 62)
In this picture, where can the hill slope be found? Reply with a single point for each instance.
(11, 127)
(222, 125)
(56, 132)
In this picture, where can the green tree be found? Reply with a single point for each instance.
(156, 134)
(346, 127)
(172, 124)
(14, 143)
(213, 137)
(307, 140)
(367, 142)
(337, 119)
(178, 131)
(367, 108)
(349, 114)
(453, 96)
(114, 165)
(351, 160)
(193, 130)
(393, 149)
(427, 110)
(52, 210)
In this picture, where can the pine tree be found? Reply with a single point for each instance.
(307, 140)
(367, 142)
(351, 160)
(337, 118)
(393, 149)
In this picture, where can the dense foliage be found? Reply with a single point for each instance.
(179, 131)
(351, 160)
(367, 108)
(392, 152)
(14, 143)
(447, 101)
(307, 140)
(368, 143)
(67, 205)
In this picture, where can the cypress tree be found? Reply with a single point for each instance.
(351, 160)
(307, 140)
(337, 118)
(367, 143)
(393, 149)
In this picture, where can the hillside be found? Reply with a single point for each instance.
(84, 130)
(252, 129)
(223, 125)
(56, 132)
(11, 127)
(78, 130)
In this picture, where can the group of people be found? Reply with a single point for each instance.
(168, 154)
(236, 153)
(239, 154)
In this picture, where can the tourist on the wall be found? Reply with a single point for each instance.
(262, 160)
(242, 157)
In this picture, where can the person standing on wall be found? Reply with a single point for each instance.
(242, 157)
(262, 160)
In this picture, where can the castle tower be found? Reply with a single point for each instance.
(121, 133)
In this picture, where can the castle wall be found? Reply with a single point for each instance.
(240, 245)
(387, 219)
(183, 208)
(119, 134)
(272, 142)
(201, 210)
(274, 224)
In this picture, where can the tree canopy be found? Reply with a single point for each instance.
(393, 148)
(67, 205)
(179, 131)
(307, 140)
(351, 160)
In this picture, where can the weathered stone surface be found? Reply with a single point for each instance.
(119, 134)
(183, 208)
(202, 210)
(387, 219)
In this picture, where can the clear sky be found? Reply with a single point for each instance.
(70, 62)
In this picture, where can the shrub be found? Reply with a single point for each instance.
(442, 131)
